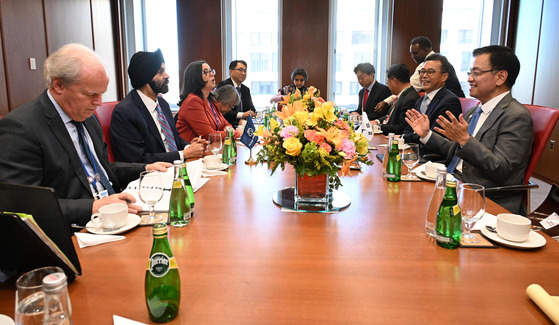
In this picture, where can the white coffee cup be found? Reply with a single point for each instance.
(376, 128)
(111, 217)
(431, 169)
(513, 227)
(212, 162)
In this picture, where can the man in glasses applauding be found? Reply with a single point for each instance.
(237, 75)
(437, 100)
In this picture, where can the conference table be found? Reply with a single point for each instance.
(244, 260)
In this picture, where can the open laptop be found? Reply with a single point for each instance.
(17, 255)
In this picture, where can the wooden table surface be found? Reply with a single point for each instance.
(243, 260)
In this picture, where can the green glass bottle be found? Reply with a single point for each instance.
(188, 186)
(234, 145)
(227, 152)
(162, 283)
(394, 163)
(449, 219)
(179, 204)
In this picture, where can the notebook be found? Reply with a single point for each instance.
(19, 255)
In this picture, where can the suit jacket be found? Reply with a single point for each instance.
(134, 134)
(498, 154)
(378, 93)
(45, 156)
(397, 119)
(196, 118)
(246, 100)
(443, 101)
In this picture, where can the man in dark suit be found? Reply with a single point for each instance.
(237, 75)
(142, 125)
(372, 93)
(491, 145)
(398, 80)
(437, 100)
(55, 141)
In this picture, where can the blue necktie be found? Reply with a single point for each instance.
(425, 104)
(471, 127)
(92, 160)
(166, 128)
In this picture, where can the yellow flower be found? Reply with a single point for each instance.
(273, 124)
(311, 91)
(332, 135)
(301, 117)
(264, 133)
(328, 111)
(292, 146)
(297, 94)
(306, 97)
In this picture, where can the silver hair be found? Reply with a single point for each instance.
(66, 63)
(227, 95)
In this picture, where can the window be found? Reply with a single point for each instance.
(354, 88)
(467, 25)
(465, 36)
(465, 64)
(362, 37)
(354, 24)
(263, 88)
(251, 34)
(146, 31)
(338, 88)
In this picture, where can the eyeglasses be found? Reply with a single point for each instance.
(241, 70)
(206, 72)
(429, 72)
(477, 73)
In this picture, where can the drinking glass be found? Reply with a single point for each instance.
(151, 191)
(215, 143)
(30, 296)
(410, 157)
(259, 117)
(471, 199)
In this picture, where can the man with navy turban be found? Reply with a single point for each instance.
(142, 126)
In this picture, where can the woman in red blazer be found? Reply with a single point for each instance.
(199, 114)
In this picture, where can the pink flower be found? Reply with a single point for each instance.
(326, 147)
(289, 131)
(348, 147)
(313, 136)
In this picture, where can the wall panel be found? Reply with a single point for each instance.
(68, 21)
(22, 41)
(199, 34)
(415, 18)
(305, 42)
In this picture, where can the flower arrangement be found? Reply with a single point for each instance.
(308, 135)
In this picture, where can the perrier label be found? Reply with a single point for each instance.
(162, 282)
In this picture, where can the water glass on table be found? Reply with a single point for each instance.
(410, 157)
(151, 191)
(30, 296)
(471, 199)
(215, 143)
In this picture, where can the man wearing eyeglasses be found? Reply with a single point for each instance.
(142, 126)
(237, 75)
(491, 145)
(437, 100)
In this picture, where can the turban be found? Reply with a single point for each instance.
(144, 66)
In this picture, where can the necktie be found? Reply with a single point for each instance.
(425, 104)
(471, 127)
(240, 102)
(92, 160)
(166, 128)
(365, 97)
(391, 110)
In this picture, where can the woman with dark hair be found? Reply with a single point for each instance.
(199, 114)
(299, 76)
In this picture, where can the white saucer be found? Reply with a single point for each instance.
(221, 167)
(535, 240)
(421, 174)
(133, 221)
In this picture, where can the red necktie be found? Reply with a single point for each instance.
(365, 97)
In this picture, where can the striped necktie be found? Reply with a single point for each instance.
(166, 128)
(92, 160)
